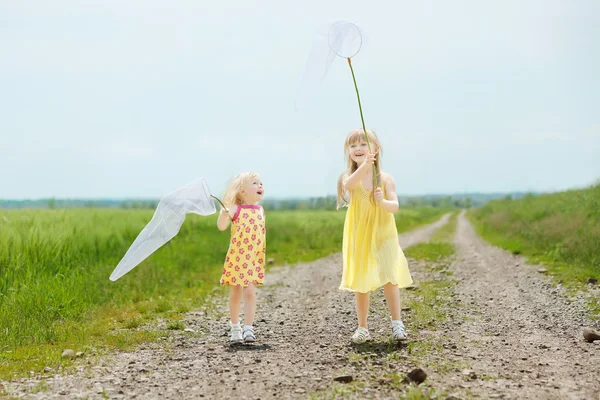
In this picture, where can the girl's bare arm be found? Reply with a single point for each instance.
(225, 217)
(390, 202)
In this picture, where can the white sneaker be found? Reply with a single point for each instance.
(398, 332)
(249, 335)
(361, 335)
(236, 334)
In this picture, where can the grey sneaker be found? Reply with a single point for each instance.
(398, 332)
(249, 335)
(236, 335)
(361, 335)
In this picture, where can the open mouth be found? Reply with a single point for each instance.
(260, 192)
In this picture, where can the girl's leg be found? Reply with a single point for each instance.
(249, 304)
(362, 308)
(392, 299)
(235, 300)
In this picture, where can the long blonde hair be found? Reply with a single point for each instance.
(233, 192)
(353, 137)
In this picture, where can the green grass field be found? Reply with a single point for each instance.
(54, 269)
(561, 230)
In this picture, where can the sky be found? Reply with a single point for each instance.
(132, 99)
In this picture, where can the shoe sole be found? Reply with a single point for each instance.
(249, 340)
(236, 341)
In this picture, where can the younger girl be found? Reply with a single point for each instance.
(371, 253)
(245, 261)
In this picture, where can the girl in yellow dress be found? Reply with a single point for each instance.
(244, 266)
(371, 252)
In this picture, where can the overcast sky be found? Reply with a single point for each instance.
(108, 98)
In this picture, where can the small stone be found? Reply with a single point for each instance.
(592, 281)
(344, 378)
(300, 391)
(405, 309)
(189, 330)
(68, 353)
(417, 375)
(48, 369)
(542, 270)
(590, 335)
(412, 287)
(270, 261)
(79, 354)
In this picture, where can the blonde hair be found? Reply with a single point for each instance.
(353, 137)
(233, 192)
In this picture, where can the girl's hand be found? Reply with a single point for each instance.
(222, 221)
(378, 196)
(370, 158)
(231, 212)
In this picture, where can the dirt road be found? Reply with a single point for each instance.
(508, 333)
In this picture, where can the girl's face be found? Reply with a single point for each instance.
(253, 190)
(358, 151)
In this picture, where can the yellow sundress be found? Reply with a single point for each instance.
(371, 252)
(245, 260)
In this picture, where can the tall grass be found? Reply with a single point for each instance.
(54, 267)
(560, 229)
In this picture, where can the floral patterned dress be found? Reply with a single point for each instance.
(245, 261)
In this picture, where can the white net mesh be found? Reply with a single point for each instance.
(165, 224)
(345, 39)
(339, 39)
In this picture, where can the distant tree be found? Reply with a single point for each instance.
(446, 201)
